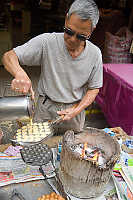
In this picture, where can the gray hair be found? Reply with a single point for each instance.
(85, 9)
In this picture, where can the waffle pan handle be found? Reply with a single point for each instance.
(57, 120)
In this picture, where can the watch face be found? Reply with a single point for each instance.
(37, 155)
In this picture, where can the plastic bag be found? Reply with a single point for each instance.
(117, 47)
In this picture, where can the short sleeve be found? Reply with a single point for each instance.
(30, 53)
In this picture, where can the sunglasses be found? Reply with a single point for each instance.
(71, 33)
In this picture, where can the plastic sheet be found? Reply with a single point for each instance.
(116, 96)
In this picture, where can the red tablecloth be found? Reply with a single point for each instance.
(116, 96)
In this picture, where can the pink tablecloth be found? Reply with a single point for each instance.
(116, 96)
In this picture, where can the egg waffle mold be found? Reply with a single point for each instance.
(37, 155)
(40, 155)
(35, 133)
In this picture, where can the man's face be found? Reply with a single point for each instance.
(76, 30)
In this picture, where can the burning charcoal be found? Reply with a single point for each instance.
(78, 150)
(91, 152)
(95, 149)
(93, 158)
(91, 155)
(88, 150)
(83, 150)
(81, 146)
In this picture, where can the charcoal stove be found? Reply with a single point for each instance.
(86, 178)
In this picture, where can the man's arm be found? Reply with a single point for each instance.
(21, 81)
(84, 103)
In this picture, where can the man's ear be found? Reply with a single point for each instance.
(66, 18)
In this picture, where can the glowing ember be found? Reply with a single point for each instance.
(94, 154)
(83, 150)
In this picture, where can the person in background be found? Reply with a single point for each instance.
(71, 68)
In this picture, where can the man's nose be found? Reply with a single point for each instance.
(73, 37)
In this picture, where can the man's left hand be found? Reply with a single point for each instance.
(68, 113)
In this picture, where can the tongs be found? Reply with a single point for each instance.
(51, 124)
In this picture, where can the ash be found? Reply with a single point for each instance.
(90, 153)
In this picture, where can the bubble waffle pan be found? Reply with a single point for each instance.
(37, 155)
(40, 155)
(35, 133)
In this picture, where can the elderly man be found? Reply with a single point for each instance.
(71, 68)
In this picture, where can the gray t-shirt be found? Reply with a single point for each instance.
(62, 78)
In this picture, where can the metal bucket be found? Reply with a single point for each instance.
(16, 108)
(83, 178)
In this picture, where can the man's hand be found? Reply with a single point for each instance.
(23, 86)
(87, 100)
(21, 83)
(68, 113)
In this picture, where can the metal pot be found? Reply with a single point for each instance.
(16, 108)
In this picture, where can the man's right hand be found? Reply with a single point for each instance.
(23, 86)
(21, 83)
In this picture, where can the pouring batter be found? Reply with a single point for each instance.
(71, 68)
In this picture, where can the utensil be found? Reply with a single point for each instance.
(16, 108)
(40, 155)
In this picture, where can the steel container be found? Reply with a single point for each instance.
(16, 108)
